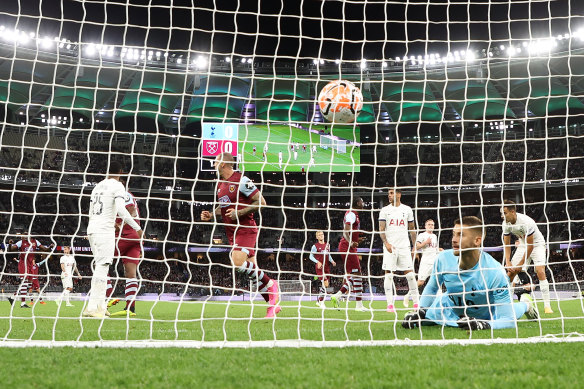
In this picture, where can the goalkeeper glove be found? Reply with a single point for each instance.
(414, 319)
(471, 323)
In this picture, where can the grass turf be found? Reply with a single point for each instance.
(495, 366)
(279, 137)
(242, 321)
(540, 365)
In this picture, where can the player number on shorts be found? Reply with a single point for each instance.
(97, 204)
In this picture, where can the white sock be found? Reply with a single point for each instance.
(544, 286)
(66, 296)
(388, 286)
(413, 285)
(360, 304)
(98, 288)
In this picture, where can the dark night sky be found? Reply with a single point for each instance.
(274, 27)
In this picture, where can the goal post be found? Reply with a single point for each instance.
(333, 142)
(458, 116)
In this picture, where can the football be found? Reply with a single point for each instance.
(340, 101)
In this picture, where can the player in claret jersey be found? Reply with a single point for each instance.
(348, 249)
(27, 267)
(129, 249)
(320, 255)
(238, 199)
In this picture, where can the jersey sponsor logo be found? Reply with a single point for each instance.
(397, 223)
(224, 201)
(231, 188)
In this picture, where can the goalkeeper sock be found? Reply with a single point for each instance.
(545, 291)
(131, 291)
(388, 286)
(413, 286)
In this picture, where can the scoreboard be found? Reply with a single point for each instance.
(218, 138)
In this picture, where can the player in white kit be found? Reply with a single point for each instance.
(107, 201)
(395, 221)
(427, 245)
(531, 249)
(280, 159)
(68, 267)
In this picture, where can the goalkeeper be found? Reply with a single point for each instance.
(477, 293)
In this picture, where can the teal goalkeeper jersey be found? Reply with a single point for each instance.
(481, 292)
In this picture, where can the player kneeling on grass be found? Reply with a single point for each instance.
(477, 293)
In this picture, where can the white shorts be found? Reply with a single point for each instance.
(103, 247)
(426, 265)
(537, 257)
(67, 282)
(399, 259)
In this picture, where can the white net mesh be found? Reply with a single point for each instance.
(465, 106)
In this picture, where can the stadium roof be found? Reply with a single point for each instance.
(37, 84)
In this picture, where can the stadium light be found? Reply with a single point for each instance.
(90, 50)
(200, 62)
(46, 42)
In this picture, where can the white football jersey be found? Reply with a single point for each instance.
(396, 224)
(69, 262)
(524, 226)
(102, 209)
(430, 250)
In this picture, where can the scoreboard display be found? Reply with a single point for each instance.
(218, 138)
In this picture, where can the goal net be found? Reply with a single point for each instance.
(465, 106)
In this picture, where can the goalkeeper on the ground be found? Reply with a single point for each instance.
(477, 293)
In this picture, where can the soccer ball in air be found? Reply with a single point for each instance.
(340, 101)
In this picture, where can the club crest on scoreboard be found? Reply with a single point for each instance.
(212, 147)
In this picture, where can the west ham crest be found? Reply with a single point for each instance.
(212, 147)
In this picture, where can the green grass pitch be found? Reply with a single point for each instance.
(542, 365)
(279, 137)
